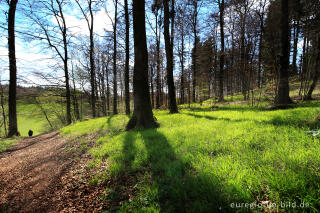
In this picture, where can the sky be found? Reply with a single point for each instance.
(31, 54)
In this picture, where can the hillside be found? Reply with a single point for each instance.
(200, 160)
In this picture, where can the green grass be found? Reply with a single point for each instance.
(202, 161)
(6, 143)
(30, 117)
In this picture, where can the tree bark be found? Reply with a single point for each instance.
(158, 80)
(92, 65)
(295, 47)
(169, 55)
(65, 62)
(221, 71)
(13, 124)
(316, 74)
(261, 16)
(151, 86)
(126, 77)
(75, 98)
(182, 84)
(282, 97)
(115, 86)
(142, 114)
(108, 91)
(194, 53)
(3, 110)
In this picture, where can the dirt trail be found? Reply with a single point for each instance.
(30, 173)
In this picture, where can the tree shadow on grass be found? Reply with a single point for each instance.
(275, 121)
(206, 117)
(109, 129)
(179, 187)
(227, 108)
(215, 118)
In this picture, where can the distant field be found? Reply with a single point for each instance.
(30, 116)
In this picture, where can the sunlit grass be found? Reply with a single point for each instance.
(203, 160)
(6, 143)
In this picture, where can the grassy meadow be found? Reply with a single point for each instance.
(204, 160)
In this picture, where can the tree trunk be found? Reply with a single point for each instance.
(75, 99)
(260, 50)
(316, 74)
(182, 84)
(158, 81)
(108, 91)
(92, 65)
(142, 114)
(126, 77)
(13, 125)
(65, 62)
(282, 97)
(295, 47)
(169, 55)
(115, 92)
(194, 54)
(3, 110)
(151, 86)
(221, 71)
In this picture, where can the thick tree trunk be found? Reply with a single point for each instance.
(282, 97)
(13, 125)
(126, 74)
(169, 55)
(142, 114)
(115, 91)
(221, 71)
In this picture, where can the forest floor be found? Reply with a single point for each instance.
(37, 175)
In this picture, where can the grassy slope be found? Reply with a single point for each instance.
(201, 160)
(30, 117)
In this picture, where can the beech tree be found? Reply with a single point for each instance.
(221, 71)
(54, 9)
(89, 19)
(282, 97)
(115, 83)
(142, 114)
(126, 75)
(169, 53)
(13, 124)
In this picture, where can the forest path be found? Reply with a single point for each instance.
(30, 172)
